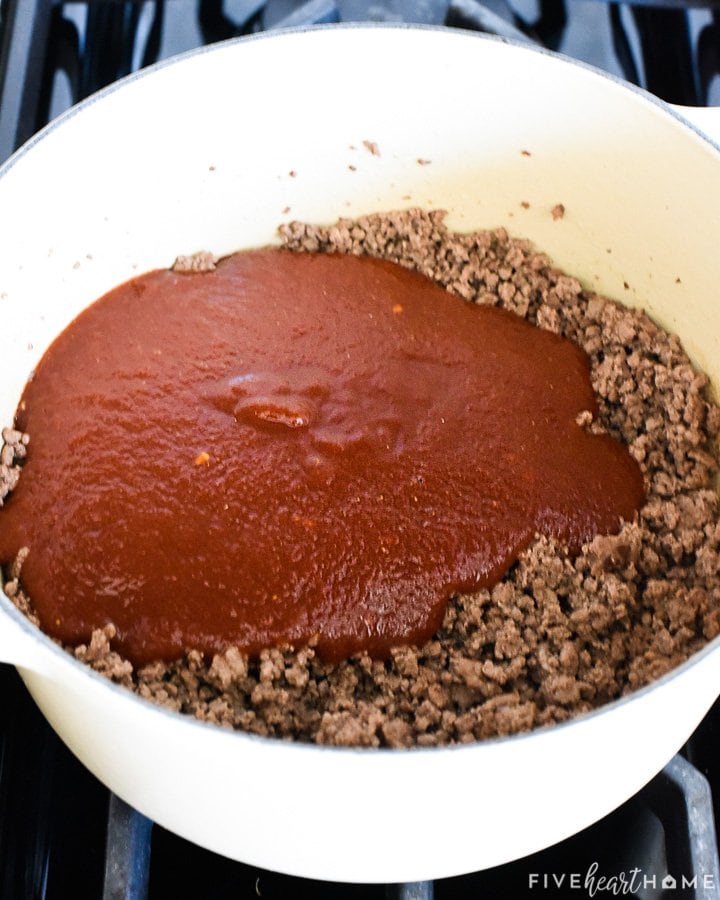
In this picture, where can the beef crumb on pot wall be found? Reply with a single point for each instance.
(559, 635)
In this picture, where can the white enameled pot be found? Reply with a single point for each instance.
(210, 152)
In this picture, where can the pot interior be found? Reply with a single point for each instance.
(495, 134)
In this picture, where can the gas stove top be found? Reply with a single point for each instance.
(62, 834)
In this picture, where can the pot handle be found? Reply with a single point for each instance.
(704, 118)
(18, 645)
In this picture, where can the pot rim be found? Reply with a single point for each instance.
(63, 657)
(179, 58)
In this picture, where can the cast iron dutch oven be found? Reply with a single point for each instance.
(196, 154)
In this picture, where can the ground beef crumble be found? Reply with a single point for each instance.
(557, 636)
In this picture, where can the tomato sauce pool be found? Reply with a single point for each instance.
(296, 448)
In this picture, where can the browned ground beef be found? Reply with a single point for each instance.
(557, 636)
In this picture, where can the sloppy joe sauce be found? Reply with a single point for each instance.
(297, 447)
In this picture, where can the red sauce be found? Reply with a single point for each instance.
(292, 446)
